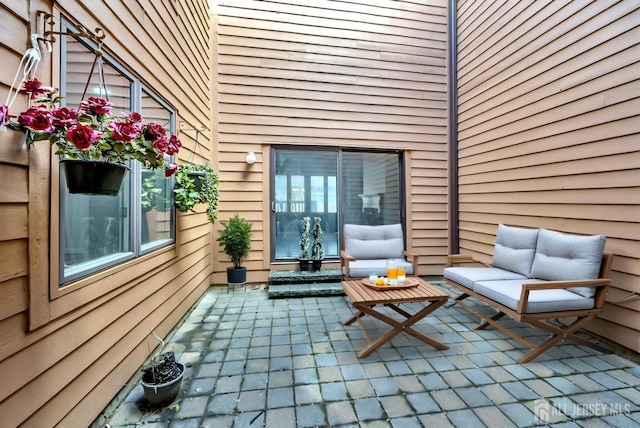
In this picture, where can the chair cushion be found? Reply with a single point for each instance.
(374, 242)
(515, 248)
(563, 257)
(508, 293)
(364, 268)
(468, 276)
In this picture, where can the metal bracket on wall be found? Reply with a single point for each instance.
(49, 35)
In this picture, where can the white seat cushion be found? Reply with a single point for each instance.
(468, 276)
(508, 293)
(378, 267)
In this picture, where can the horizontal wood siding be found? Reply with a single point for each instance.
(367, 74)
(63, 359)
(549, 132)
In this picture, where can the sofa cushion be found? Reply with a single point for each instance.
(364, 268)
(515, 248)
(508, 293)
(563, 257)
(468, 276)
(374, 242)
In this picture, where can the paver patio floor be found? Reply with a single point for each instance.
(259, 362)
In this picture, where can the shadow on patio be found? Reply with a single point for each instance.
(259, 362)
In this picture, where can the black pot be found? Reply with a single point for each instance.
(236, 275)
(304, 264)
(317, 264)
(165, 393)
(93, 178)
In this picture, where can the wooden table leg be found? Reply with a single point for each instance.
(398, 327)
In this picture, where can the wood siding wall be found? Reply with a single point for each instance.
(63, 360)
(333, 73)
(549, 131)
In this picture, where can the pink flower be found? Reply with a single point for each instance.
(37, 118)
(63, 116)
(82, 136)
(35, 88)
(96, 106)
(170, 169)
(135, 117)
(124, 131)
(4, 114)
(161, 144)
(174, 145)
(156, 129)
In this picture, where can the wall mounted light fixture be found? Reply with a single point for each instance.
(251, 158)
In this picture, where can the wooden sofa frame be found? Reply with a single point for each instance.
(538, 319)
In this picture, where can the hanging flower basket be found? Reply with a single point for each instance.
(93, 178)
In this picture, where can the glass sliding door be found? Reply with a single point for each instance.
(337, 186)
(305, 185)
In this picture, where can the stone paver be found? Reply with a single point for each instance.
(253, 361)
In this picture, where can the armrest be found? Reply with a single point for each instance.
(601, 283)
(346, 256)
(413, 259)
(455, 259)
(344, 263)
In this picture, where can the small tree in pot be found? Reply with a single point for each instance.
(317, 251)
(235, 238)
(304, 243)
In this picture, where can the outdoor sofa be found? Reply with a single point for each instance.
(537, 276)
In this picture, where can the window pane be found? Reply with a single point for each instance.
(156, 199)
(371, 188)
(305, 185)
(156, 195)
(95, 229)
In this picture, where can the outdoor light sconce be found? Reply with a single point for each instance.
(251, 158)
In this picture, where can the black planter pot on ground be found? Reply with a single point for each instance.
(317, 264)
(236, 275)
(161, 384)
(304, 265)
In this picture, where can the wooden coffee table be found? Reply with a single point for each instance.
(367, 300)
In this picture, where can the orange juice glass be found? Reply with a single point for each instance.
(402, 275)
(392, 273)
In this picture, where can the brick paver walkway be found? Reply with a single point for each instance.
(259, 362)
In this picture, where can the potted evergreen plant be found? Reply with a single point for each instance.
(235, 238)
(317, 251)
(304, 243)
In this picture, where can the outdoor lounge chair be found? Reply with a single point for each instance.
(366, 250)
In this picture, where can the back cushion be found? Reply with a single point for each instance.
(515, 248)
(563, 257)
(374, 242)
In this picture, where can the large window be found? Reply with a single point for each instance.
(99, 231)
(338, 186)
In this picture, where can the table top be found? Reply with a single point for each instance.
(360, 293)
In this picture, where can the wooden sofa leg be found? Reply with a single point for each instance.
(486, 324)
(559, 334)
